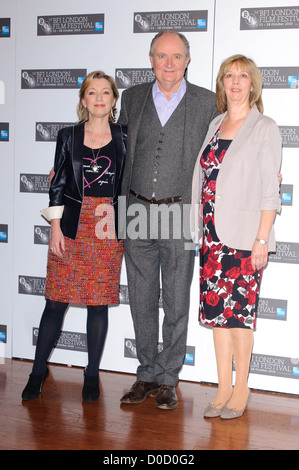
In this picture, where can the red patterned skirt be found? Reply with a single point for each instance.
(89, 272)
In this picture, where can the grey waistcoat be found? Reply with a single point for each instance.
(158, 155)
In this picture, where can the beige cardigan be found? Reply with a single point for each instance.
(247, 181)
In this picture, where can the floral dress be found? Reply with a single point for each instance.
(229, 287)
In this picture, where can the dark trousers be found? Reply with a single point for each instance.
(147, 260)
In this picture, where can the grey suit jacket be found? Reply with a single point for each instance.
(200, 110)
(247, 181)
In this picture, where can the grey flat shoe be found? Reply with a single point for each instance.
(211, 411)
(231, 413)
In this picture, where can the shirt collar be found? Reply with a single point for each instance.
(179, 94)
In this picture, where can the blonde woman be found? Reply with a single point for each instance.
(84, 257)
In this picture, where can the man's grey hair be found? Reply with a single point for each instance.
(170, 31)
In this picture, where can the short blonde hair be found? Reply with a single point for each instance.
(81, 110)
(256, 78)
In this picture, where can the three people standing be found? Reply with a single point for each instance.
(235, 178)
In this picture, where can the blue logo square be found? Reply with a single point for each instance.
(286, 197)
(3, 235)
(292, 80)
(189, 358)
(201, 23)
(4, 135)
(98, 26)
(296, 371)
(80, 80)
(5, 30)
(281, 312)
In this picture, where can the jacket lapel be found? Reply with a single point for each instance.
(242, 134)
(119, 152)
(136, 117)
(76, 152)
(190, 110)
(211, 131)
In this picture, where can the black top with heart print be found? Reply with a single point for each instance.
(98, 171)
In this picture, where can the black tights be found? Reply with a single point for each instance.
(50, 327)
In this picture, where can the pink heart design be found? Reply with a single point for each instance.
(98, 177)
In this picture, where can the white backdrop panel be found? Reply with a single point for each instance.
(23, 259)
(7, 99)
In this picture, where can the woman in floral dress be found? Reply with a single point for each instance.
(229, 284)
(237, 169)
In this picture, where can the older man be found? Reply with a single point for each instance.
(167, 121)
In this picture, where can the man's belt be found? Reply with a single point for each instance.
(167, 200)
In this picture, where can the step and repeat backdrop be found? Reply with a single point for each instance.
(46, 50)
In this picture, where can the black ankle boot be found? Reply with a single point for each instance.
(34, 385)
(91, 388)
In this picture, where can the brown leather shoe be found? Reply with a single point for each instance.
(139, 392)
(166, 398)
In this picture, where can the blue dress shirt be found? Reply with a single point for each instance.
(165, 107)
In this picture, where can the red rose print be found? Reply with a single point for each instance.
(212, 185)
(210, 268)
(207, 197)
(242, 283)
(246, 268)
(222, 156)
(215, 248)
(212, 298)
(206, 219)
(209, 238)
(204, 249)
(224, 295)
(233, 273)
(229, 287)
(228, 313)
(251, 296)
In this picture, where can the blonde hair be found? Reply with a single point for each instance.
(81, 110)
(256, 78)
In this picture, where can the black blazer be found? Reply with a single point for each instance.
(66, 187)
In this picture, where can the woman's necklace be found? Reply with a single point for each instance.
(93, 165)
